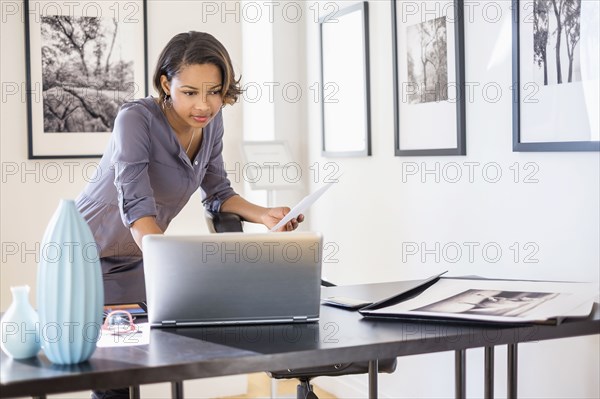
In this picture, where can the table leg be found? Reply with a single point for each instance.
(373, 371)
(512, 371)
(488, 387)
(134, 392)
(460, 374)
(177, 389)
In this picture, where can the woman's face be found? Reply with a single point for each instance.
(196, 94)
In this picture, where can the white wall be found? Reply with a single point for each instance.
(372, 213)
(289, 48)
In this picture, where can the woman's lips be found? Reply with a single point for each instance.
(200, 119)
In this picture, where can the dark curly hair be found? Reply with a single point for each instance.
(197, 48)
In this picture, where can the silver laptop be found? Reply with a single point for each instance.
(232, 278)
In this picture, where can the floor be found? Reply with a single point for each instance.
(259, 386)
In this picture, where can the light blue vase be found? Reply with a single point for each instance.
(20, 326)
(70, 296)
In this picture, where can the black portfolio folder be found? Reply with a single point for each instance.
(363, 298)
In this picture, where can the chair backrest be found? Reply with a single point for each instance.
(224, 222)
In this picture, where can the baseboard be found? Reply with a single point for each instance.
(349, 386)
(235, 385)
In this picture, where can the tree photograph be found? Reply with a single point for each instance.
(87, 73)
(556, 35)
(427, 61)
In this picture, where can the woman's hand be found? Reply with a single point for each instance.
(274, 215)
(258, 214)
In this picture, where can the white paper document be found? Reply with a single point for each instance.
(140, 336)
(302, 206)
(497, 301)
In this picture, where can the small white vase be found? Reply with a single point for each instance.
(20, 326)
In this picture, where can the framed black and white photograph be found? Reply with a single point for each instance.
(345, 87)
(84, 59)
(429, 76)
(556, 79)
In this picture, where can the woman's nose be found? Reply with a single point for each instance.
(201, 103)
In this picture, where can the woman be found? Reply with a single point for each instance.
(161, 151)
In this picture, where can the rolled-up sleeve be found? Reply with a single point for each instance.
(216, 187)
(131, 154)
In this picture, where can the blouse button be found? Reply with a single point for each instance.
(196, 163)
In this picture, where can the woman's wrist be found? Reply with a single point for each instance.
(246, 210)
(143, 226)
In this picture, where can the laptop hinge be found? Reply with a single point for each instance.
(167, 323)
(300, 318)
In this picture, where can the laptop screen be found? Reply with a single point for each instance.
(232, 278)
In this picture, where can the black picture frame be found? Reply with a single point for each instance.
(345, 106)
(83, 60)
(550, 96)
(442, 131)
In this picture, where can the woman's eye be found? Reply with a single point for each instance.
(189, 93)
(213, 92)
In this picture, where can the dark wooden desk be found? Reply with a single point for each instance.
(340, 336)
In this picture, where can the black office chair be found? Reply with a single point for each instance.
(228, 222)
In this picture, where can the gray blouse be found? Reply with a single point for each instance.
(145, 172)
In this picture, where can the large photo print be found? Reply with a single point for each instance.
(87, 72)
(556, 78)
(429, 78)
(556, 34)
(84, 61)
(427, 61)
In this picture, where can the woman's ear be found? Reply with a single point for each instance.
(164, 82)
